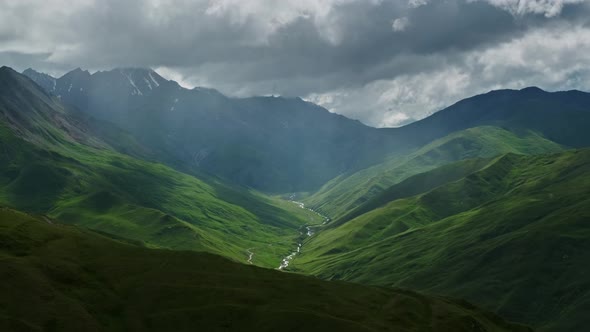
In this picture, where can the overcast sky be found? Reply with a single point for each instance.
(383, 62)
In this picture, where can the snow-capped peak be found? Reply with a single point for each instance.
(141, 80)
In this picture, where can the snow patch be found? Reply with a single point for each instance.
(148, 83)
(132, 83)
(153, 79)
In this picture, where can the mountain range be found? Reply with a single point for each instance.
(485, 200)
(273, 144)
(55, 163)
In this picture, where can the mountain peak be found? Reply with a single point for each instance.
(77, 73)
(8, 74)
(208, 91)
(140, 81)
(532, 89)
(10, 79)
(30, 71)
(6, 70)
(47, 82)
(138, 70)
(145, 73)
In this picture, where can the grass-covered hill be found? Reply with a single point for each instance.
(63, 278)
(512, 236)
(60, 163)
(344, 193)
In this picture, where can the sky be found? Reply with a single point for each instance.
(385, 63)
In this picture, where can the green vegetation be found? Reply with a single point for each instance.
(488, 211)
(512, 237)
(52, 162)
(62, 278)
(346, 192)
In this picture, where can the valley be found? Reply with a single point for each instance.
(295, 166)
(112, 284)
(384, 229)
(305, 232)
(78, 173)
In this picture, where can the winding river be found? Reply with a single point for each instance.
(308, 232)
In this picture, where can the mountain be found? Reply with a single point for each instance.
(271, 143)
(558, 116)
(35, 116)
(485, 200)
(346, 192)
(47, 82)
(56, 161)
(283, 145)
(527, 121)
(80, 83)
(508, 233)
(62, 278)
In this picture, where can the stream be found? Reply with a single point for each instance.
(250, 255)
(308, 232)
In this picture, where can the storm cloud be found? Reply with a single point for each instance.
(383, 62)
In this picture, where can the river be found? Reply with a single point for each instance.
(308, 232)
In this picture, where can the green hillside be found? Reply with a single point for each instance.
(54, 162)
(346, 192)
(512, 237)
(124, 224)
(62, 278)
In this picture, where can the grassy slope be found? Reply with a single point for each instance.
(346, 192)
(147, 202)
(54, 162)
(61, 278)
(513, 237)
(417, 184)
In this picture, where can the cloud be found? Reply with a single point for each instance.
(549, 8)
(349, 55)
(395, 102)
(417, 3)
(268, 17)
(400, 24)
(553, 59)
